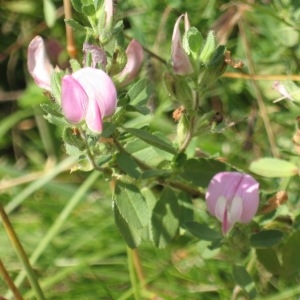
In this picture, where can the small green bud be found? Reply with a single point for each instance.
(183, 128)
(208, 48)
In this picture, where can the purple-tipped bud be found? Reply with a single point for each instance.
(88, 94)
(38, 63)
(135, 57)
(232, 197)
(98, 55)
(180, 60)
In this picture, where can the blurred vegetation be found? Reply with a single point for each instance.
(86, 258)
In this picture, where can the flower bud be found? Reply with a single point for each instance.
(97, 56)
(38, 63)
(232, 197)
(180, 60)
(135, 57)
(183, 128)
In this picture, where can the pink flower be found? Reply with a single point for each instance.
(232, 197)
(180, 60)
(38, 63)
(135, 57)
(88, 94)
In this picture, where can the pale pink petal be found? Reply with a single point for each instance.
(187, 24)
(135, 57)
(249, 192)
(100, 90)
(109, 10)
(220, 208)
(180, 60)
(93, 116)
(74, 99)
(38, 63)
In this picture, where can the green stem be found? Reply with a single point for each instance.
(132, 275)
(193, 124)
(9, 282)
(21, 254)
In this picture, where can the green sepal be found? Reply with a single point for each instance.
(179, 89)
(208, 48)
(118, 62)
(74, 139)
(75, 65)
(215, 68)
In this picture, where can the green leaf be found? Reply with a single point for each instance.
(266, 238)
(130, 234)
(268, 258)
(290, 254)
(51, 108)
(73, 150)
(131, 204)
(49, 12)
(202, 231)
(200, 171)
(244, 280)
(75, 25)
(144, 110)
(77, 4)
(151, 139)
(89, 10)
(58, 121)
(165, 218)
(138, 93)
(192, 41)
(186, 207)
(128, 165)
(273, 167)
(156, 173)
